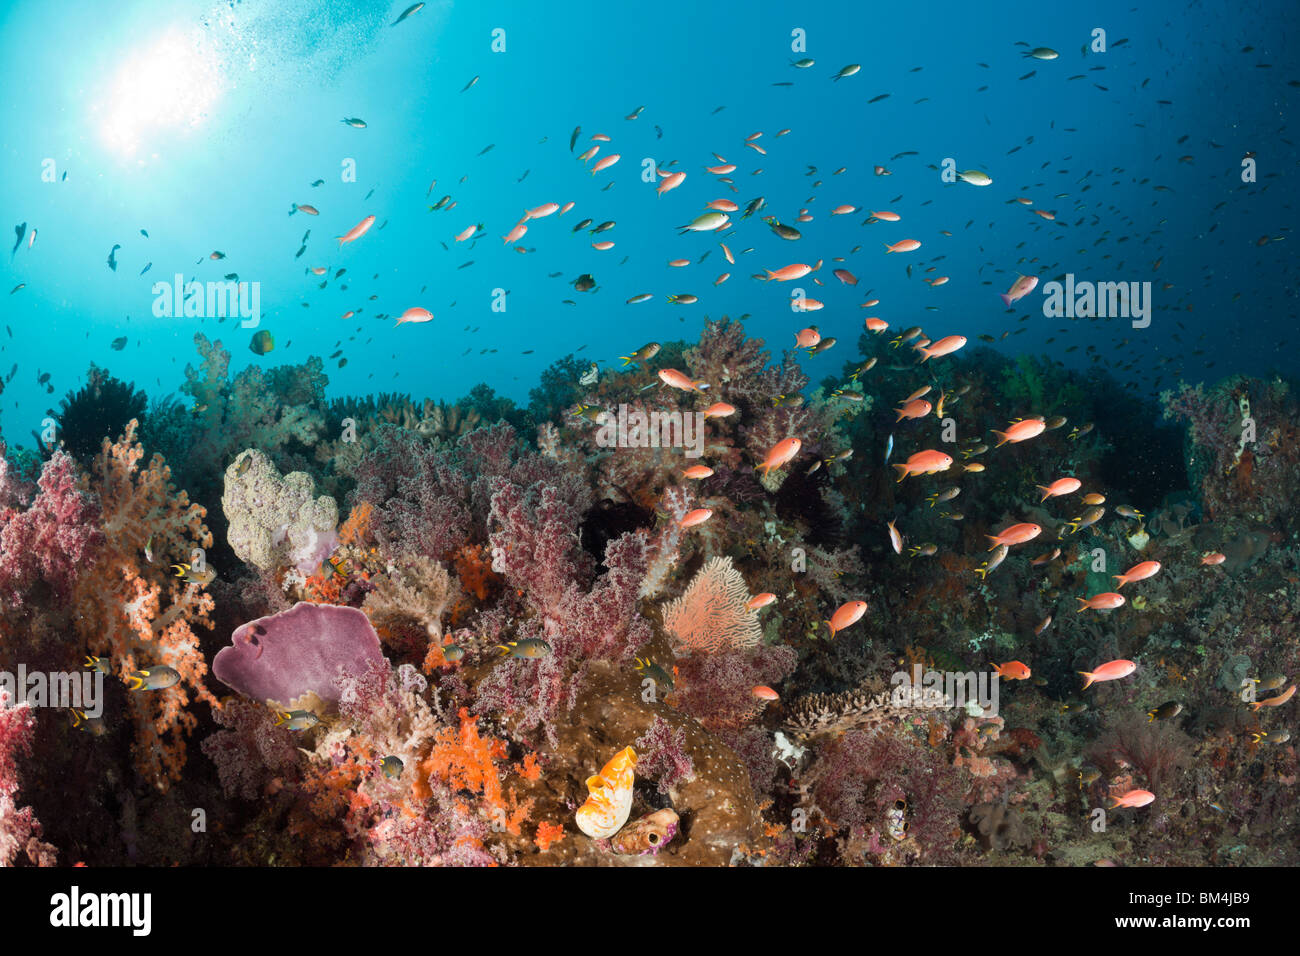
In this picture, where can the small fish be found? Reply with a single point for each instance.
(19, 231)
(154, 678)
(354, 122)
(112, 257)
(190, 576)
(392, 767)
(642, 355)
(148, 550)
(409, 11)
(94, 726)
(648, 668)
(101, 664)
(453, 653)
(532, 648)
(147, 267)
(261, 343)
(466, 87)
(296, 719)
(1166, 711)
(1000, 553)
(118, 343)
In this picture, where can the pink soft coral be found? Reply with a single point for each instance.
(52, 539)
(20, 831)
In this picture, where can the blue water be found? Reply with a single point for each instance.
(256, 92)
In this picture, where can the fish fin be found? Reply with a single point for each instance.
(995, 541)
(1083, 605)
(902, 471)
(1002, 436)
(1088, 682)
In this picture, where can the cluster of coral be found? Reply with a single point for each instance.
(406, 632)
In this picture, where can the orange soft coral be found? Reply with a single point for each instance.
(139, 614)
(356, 529)
(548, 833)
(462, 759)
(474, 570)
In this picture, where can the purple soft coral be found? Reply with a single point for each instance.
(303, 649)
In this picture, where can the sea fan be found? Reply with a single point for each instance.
(711, 614)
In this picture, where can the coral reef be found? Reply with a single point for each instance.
(513, 597)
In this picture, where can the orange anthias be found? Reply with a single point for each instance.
(675, 379)
(927, 462)
(781, 453)
(1277, 701)
(1020, 431)
(1134, 798)
(1061, 486)
(1106, 601)
(1139, 572)
(1016, 534)
(1013, 670)
(847, 614)
(1111, 670)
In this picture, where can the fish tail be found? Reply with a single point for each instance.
(925, 355)
(982, 572)
(1002, 436)
(994, 539)
(1121, 579)
(1083, 606)
(902, 471)
(627, 359)
(1088, 682)
(1006, 299)
(1256, 705)
(1047, 493)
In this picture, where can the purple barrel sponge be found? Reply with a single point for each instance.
(282, 656)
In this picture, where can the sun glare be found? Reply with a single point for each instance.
(171, 84)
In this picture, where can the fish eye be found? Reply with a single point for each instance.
(653, 838)
(900, 804)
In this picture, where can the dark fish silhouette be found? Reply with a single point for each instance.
(19, 231)
(112, 257)
(409, 11)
